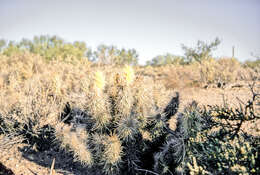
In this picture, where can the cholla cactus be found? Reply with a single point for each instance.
(75, 141)
(128, 127)
(99, 81)
(56, 85)
(112, 155)
(129, 74)
(98, 106)
(121, 96)
(121, 130)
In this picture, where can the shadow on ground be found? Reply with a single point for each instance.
(64, 163)
(4, 170)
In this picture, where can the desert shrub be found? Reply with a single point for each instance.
(182, 77)
(253, 67)
(30, 116)
(224, 70)
(168, 58)
(32, 95)
(252, 64)
(210, 71)
(210, 141)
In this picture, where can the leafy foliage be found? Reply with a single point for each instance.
(112, 55)
(166, 59)
(192, 55)
(49, 47)
(53, 47)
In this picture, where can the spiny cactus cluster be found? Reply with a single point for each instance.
(117, 131)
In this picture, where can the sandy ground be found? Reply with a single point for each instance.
(23, 160)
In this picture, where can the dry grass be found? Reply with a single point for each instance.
(209, 72)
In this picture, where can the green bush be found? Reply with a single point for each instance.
(253, 64)
(210, 141)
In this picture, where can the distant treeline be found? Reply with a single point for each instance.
(52, 47)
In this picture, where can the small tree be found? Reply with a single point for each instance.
(128, 57)
(11, 48)
(105, 54)
(201, 51)
(47, 46)
(112, 55)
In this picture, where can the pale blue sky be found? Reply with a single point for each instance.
(152, 27)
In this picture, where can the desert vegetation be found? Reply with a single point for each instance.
(110, 115)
